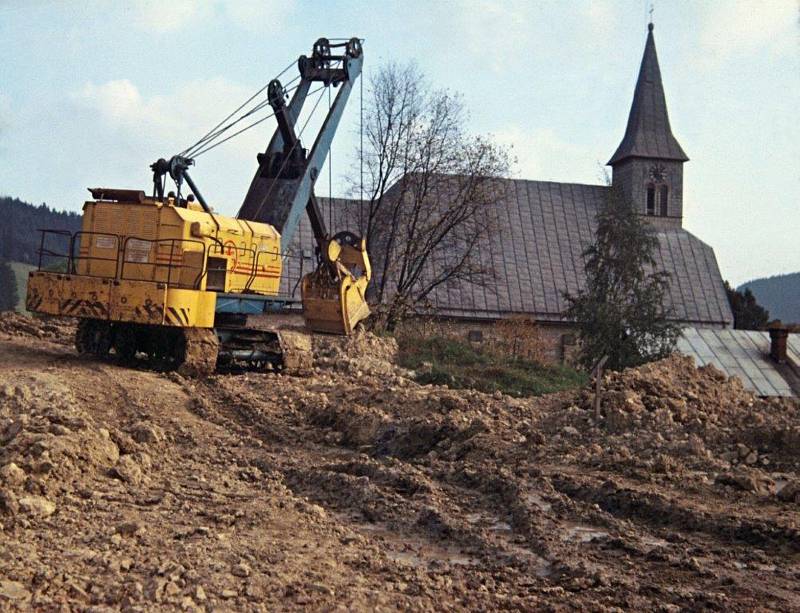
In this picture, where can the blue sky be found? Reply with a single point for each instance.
(92, 92)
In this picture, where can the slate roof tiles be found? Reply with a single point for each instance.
(544, 227)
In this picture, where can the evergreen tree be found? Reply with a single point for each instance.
(8, 287)
(747, 313)
(620, 312)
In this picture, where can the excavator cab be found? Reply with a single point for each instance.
(334, 295)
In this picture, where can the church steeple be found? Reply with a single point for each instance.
(648, 164)
(648, 133)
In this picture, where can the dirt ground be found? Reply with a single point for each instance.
(357, 489)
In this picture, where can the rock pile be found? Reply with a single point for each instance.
(670, 418)
(357, 487)
(363, 352)
(50, 445)
(57, 329)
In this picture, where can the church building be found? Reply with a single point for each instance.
(544, 227)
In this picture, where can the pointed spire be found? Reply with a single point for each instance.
(648, 134)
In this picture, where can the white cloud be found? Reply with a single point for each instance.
(174, 15)
(540, 154)
(479, 22)
(602, 18)
(161, 16)
(136, 128)
(5, 111)
(179, 116)
(257, 15)
(733, 28)
(119, 102)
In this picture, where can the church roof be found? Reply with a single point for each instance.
(648, 134)
(743, 354)
(542, 231)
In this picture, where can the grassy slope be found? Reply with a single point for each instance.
(21, 271)
(457, 364)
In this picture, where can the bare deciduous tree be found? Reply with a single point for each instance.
(430, 191)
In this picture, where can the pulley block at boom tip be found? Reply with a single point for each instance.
(283, 185)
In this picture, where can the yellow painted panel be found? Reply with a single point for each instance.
(70, 295)
(137, 301)
(44, 293)
(186, 307)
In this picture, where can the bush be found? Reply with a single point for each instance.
(520, 336)
(441, 360)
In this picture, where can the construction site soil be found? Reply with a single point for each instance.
(355, 488)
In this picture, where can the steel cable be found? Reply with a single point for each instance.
(255, 123)
(216, 133)
(245, 103)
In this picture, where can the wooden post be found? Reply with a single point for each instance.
(598, 376)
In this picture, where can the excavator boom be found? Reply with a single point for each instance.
(333, 295)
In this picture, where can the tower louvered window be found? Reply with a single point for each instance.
(651, 200)
(664, 201)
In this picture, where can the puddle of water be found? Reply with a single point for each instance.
(584, 534)
(491, 522)
(428, 554)
(414, 551)
(780, 484)
(474, 518)
(769, 568)
(374, 528)
(500, 526)
(652, 541)
(539, 502)
(543, 567)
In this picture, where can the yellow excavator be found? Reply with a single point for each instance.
(163, 276)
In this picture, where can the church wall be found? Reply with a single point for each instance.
(558, 342)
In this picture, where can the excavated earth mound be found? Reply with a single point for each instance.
(357, 488)
(15, 325)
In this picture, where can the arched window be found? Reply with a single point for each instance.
(651, 199)
(664, 201)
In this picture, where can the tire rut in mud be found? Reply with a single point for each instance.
(655, 509)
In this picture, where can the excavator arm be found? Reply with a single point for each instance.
(334, 295)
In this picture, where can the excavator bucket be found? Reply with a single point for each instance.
(334, 295)
(333, 307)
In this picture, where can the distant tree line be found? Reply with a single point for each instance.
(8, 287)
(747, 313)
(20, 239)
(19, 225)
(780, 294)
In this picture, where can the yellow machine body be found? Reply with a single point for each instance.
(141, 260)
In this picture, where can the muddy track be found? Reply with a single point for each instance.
(659, 510)
(549, 527)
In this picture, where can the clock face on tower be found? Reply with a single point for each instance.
(658, 173)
